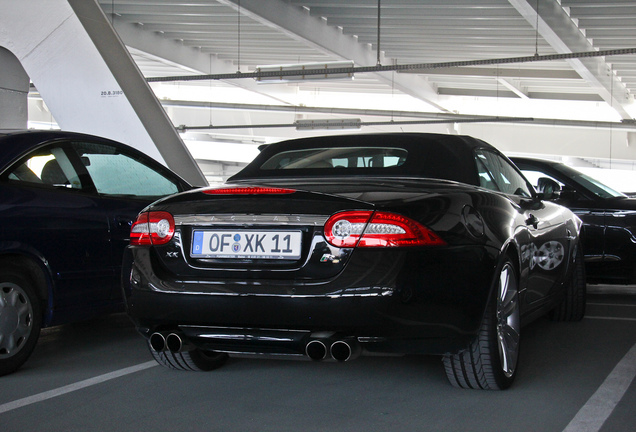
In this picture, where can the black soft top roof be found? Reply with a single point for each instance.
(448, 157)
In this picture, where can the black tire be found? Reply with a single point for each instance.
(193, 360)
(490, 362)
(572, 308)
(20, 320)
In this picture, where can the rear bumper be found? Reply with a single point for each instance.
(422, 303)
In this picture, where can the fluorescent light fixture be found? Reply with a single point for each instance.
(305, 72)
(328, 124)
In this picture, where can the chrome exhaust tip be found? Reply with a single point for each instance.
(157, 342)
(316, 350)
(345, 350)
(174, 343)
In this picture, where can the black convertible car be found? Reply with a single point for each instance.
(332, 247)
(609, 218)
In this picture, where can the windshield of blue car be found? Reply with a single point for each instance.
(595, 186)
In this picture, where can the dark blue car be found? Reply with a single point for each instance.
(67, 201)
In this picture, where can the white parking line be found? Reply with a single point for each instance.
(611, 304)
(609, 318)
(600, 406)
(75, 386)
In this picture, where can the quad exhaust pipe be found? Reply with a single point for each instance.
(173, 342)
(340, 350)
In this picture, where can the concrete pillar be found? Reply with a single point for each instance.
(14, 89)
(88, 79)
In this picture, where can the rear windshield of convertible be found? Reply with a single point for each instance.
(337, 157)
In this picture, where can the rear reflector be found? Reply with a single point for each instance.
(152, 228)
(251, 190)
(379, 229)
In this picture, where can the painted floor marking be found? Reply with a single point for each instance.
(609, 318)
(611, 304)
(600, 406)
(75, 386)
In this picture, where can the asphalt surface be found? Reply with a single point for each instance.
(99, 376)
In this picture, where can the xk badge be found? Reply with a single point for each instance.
(329, 258)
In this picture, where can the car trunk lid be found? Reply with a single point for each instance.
(273, 231)
(254, 233)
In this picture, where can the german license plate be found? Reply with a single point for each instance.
(246, 244)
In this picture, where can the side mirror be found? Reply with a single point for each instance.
(548, 189)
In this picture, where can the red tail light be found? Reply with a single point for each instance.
(379, 229)
(152, 228)
(250, 190)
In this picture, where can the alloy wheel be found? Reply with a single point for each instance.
(508, 321)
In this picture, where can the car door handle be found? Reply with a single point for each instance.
(532, 220)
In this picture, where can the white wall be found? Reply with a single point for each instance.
(555, 140)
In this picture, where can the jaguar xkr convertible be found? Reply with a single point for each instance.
(329, 248)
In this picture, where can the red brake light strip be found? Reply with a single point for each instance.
(250, 190)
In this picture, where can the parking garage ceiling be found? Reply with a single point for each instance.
(169, 38)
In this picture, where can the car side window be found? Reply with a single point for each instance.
(47, 167)
(115, 173)
(495, 173)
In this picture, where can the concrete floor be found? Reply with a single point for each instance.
(99, 376)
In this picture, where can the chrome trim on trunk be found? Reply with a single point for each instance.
(250, 219)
